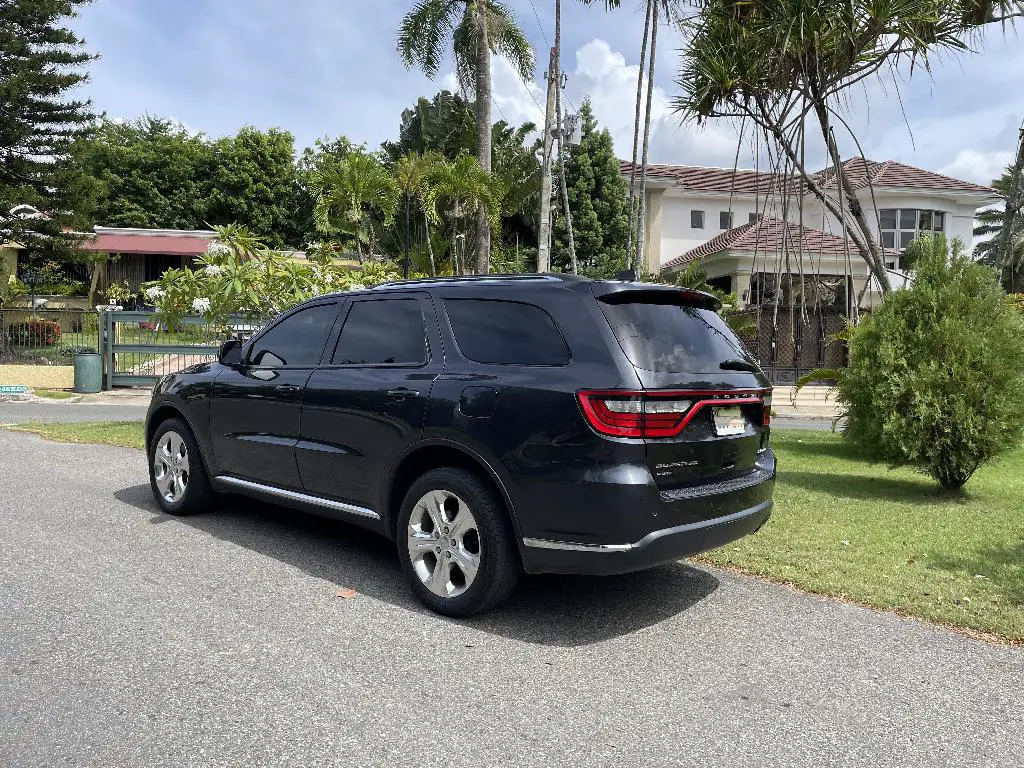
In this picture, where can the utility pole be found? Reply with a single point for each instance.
(544, 228)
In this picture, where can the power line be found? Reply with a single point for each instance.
(539, 25)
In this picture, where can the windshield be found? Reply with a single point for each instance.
(674, 339)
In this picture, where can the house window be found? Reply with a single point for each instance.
(899, 227)
(696, 219)
(725, 220)
(753, 217)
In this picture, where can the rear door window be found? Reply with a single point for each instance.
(506, 332)
(673, 338)
(383, 332)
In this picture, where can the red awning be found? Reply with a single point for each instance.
(173, 245)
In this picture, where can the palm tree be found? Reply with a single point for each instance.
(347, 193)
(415, 175)
(462, 186)
(477, 28)
(992, 224)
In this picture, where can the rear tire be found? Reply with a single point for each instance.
(456, 543)
(177, 473)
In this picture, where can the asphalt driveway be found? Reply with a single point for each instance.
(129, 638)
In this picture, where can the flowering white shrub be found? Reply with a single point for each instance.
(239, 276)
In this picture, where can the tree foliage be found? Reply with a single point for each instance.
(41, 63)
(597, 201)
(935, 379)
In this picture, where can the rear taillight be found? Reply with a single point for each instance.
(767, 409)
(625, 413)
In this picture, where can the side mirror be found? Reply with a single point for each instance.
(230, 352)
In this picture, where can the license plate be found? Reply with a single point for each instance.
(729, 421)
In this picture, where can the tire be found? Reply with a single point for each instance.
(439, 566)
(177, 473)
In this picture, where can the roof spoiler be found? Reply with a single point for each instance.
(651, 293)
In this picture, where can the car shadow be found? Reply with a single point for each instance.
(868, 487)
(545, 609)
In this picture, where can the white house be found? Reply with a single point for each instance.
(690, 208)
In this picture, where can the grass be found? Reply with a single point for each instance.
(845, 528)
(128, 434)
(53, 394)
(893, 539)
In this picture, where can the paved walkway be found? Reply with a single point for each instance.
(131, 638)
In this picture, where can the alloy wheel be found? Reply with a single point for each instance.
(171, 466)
(443, 543)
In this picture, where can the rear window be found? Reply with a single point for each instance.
(506, 332)
(673, 339)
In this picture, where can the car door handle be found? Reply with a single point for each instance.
(402, 393)
(287, 389)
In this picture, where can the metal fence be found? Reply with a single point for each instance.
(138, 348)
(47, 336)
(794, 342)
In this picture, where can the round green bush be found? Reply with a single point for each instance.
(936, 375)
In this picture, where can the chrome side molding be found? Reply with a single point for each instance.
(304, 498)
(574, 547)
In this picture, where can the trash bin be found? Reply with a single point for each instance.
(88, 372)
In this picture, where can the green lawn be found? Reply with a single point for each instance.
(893, 539)
(53, 394)
(128, 434)
(846, 528)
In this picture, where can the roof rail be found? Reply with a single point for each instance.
(478, 279)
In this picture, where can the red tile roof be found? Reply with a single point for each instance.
(892, 174)
(700, 179)
(745, 181)
(767, 236)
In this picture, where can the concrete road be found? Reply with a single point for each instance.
(22, 413)
(129, 638)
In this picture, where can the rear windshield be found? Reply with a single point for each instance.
(673, 339)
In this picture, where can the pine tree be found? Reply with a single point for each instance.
(41, 62)
(597, 199)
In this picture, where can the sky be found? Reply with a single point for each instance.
(328, 67)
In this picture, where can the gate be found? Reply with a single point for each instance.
(138, 348)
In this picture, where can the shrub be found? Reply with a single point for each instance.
(935, 377)
(34, 333)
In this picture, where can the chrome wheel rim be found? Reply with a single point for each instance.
(443, 543)
(171, 467)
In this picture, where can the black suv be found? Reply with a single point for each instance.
(488, 425)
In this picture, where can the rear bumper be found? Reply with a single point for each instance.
(657, 547)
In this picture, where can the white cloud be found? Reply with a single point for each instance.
(974, 165)
(604, 76)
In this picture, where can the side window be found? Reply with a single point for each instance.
(298, 340)
(506, 332)
(383, 332)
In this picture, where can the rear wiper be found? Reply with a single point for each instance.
(735, 364)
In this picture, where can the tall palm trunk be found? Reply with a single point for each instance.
(430, 246)
(641, 222)
(636, 140)
(483, 133)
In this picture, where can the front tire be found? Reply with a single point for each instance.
(456, 543)
(177, 474)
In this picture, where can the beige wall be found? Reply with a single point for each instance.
(38, 376)
(8, 261)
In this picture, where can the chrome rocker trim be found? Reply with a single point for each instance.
(304, 498)
(609, 548)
